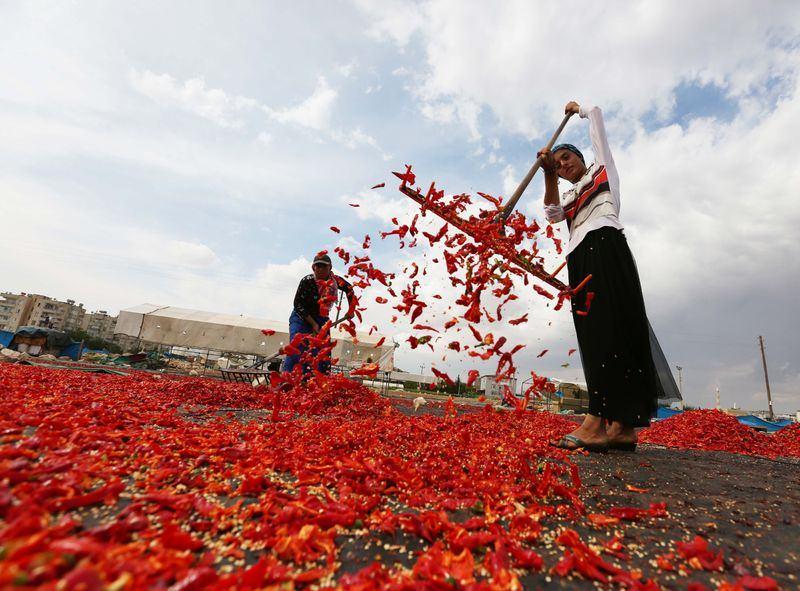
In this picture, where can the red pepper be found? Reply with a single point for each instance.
(196, 579)
(109, 492)
(520, 320)
(443, 376)
(758, 583)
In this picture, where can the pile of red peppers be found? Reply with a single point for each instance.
(714, 430)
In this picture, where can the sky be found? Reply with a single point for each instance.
(195, 154)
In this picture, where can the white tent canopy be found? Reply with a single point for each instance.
(195, 329)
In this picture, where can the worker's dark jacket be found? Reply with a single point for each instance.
(306, 300)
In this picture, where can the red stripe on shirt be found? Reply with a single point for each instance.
(600, 177)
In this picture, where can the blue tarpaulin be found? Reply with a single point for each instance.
(664, 412)
(749, 420)
(73, 351)
(5, 337)
(759, 423)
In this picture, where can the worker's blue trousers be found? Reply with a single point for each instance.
(298, 325)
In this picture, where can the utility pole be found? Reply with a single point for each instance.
(717, 397)
(766, 377)
(682, 402)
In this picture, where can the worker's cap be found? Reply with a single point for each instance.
(322, 259)
(571, 148)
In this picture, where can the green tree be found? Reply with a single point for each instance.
(90, 342)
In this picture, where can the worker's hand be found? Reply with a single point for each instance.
(548, 162)
(572, 107)
(314, 327)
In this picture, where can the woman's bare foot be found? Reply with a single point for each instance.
(592, 432)
(619, 433)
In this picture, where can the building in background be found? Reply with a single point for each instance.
(167, 326)
(569, 396)
(22, 309)
(15, 309)
(48, 312)
(100, 325)
(75, 314)
(492, 388)
(412, 381)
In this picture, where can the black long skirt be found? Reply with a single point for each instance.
(613, 336)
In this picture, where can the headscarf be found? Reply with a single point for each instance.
(571, 148)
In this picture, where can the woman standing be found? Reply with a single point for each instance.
(611, 326)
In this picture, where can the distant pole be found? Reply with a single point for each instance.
(717, 397)
(680, 379)
(766, 377)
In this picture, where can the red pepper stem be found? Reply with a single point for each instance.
(581, 285)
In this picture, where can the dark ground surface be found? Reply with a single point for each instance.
(748, 507)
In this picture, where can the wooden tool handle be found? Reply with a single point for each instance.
(512, 203)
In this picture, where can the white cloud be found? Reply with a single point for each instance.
(707, 206)
(355, 138)
(349, 243)
(448, 111)
(376, 206)
(314, 112)
(395, 19)
(510, 181)
(444, 112)
(191, 253)
(528, 70)
(193, 96)
(347, 70)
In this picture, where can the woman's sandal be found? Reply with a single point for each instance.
(570, 442)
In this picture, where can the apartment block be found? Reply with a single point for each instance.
(47, 312)
(100, 325)
(15, 309)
